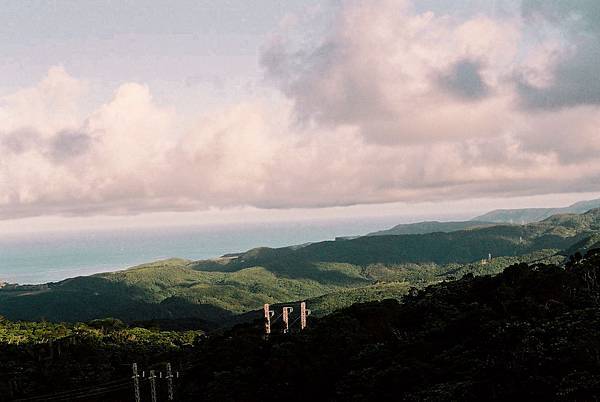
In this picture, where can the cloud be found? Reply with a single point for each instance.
(465, 81)
(47, 107)
(389, 104)
(574, 75)
(443, 87)
(582, 15)
(69, 144)
(382, 66)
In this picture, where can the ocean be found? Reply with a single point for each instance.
(52, 256)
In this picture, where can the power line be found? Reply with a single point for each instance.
(88, 394)
(116, 384)
(76, 390)
(91, 393)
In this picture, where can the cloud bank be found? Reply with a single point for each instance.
(389, 104)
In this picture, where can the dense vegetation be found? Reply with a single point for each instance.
(529, 333)
(217, 290)
(163, 290)
(47, 359)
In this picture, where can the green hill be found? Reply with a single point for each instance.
(162, 290)
(216, 290)
(466, 246)
(589, 243)
(394, 282)
(530, 333)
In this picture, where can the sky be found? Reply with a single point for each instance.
(153, 113)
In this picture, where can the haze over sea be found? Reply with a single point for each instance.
(52, 256)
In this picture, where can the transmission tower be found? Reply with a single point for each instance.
(268, 314)
(286, 319)
(304, 313)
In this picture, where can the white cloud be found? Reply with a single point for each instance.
(388, 105)
(377, 71)
(47, 107)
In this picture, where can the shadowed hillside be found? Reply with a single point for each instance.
(465, 246)
(530, 333)
(527, 333)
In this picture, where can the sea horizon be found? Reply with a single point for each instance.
(52, 256)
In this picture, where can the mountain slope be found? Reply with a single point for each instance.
(430, 227)
(529, 333)
(216, 290)
(528, 215)
(165, 289)
(582, 247)
(557, 232)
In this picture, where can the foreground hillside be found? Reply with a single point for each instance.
(334, 274)
(83, 362)
(530, 333)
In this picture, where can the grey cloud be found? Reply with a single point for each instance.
(464, 80)
(576, 81)
(20, 141)
(575, 77)
(58, 148)
(332, 85)
(303, 75)
(385, 83)
(275, 60)
(579, 14)
(69, 144)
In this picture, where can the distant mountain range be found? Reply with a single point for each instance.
(527, 215)
(509, 216)
(431, 227)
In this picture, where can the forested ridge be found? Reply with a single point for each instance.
(529, 333)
